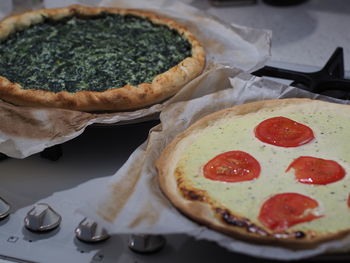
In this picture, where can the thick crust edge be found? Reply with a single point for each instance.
(202, 212)
(119, 99)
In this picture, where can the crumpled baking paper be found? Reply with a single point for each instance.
(132, 201)
(26, 130)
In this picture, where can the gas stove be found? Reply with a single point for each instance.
(329, 81)
(50, 232)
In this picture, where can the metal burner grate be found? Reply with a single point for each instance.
(330, 80)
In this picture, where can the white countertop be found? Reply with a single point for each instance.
(305, 34)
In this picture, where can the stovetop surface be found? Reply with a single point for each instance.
(313, 31)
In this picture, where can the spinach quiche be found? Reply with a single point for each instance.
(272, 172)
(95, 58)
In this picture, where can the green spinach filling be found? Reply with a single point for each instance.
(94, 54)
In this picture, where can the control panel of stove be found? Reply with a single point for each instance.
(43, 235)
(43, 221)
(42, 218)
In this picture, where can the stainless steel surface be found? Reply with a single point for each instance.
(312, 31)
(4, 208)
(89, 231)
(42, 218)
(146, 243)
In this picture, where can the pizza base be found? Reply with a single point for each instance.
(125, 98)
(198, 206)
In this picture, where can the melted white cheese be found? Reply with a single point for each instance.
(332, 134)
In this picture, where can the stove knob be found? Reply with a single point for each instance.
(4, 208)
(146, 243)
(42, 218)
(89, 231)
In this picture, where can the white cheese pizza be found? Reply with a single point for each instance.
(273, 172)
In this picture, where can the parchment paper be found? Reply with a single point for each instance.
(25, 131)
(132, 201)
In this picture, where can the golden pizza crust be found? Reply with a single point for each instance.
(128, 97)
(197, 204)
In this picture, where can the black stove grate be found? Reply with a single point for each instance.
(52, 153)
(330, 80)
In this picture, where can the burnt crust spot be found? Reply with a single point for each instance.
(189, 192)
(193, 194)
(299, 234)
(232, 220)
(228, 218)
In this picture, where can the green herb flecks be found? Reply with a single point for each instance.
(93, 54)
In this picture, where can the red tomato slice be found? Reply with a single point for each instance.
(312, 170)
(281, 131)
(284, 210)
(233, 166)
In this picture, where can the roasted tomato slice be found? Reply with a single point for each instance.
(284, 210)
(281, 131)
(233, 166)
(312, 170)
